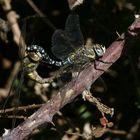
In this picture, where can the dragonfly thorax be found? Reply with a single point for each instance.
(89, 53)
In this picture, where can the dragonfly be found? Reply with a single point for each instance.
(68, 44)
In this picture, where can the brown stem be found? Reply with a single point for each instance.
(12, 17)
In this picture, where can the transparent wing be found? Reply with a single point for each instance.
(62, 46)
(73, 31)
(65, 42)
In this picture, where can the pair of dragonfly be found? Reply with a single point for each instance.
(67, 45)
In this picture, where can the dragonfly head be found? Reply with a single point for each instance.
(99, 50)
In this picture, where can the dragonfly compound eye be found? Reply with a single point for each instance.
(99, 50)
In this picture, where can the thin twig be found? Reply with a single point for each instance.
(40, 13)
(17, 117)
(96, 132)
(13, 74)
(21, 108)
(116, 132)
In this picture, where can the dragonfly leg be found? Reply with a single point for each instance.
(95, 66)
(104, 61)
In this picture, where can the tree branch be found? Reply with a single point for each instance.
(75, 87)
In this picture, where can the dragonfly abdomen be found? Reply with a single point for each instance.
(45, 56)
